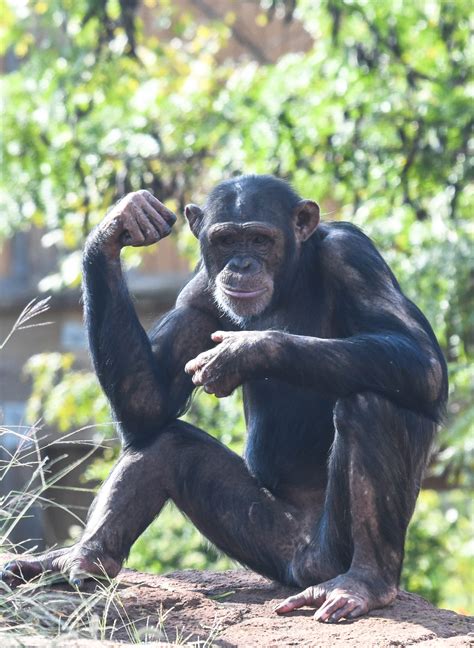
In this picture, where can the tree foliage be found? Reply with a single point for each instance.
(374, 121)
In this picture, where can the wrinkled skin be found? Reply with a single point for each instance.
(75, 563)
(343, 597)
(138, 220)
(229, 364)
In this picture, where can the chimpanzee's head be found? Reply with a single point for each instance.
(251, 230)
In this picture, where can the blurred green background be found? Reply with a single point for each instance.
(369, 112)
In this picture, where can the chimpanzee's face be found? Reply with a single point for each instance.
(245, 261)
(251, 230)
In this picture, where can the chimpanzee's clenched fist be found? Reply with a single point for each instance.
(138, 219)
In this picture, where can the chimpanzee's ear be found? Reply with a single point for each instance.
(194, 216)
(305, 219)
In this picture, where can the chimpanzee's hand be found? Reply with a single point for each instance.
(138, 219)
(235, 359)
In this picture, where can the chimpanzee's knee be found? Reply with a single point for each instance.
(178, 437)
(171, 455)
(173, 437)
(361, 412)
(183, 452)
(383, 428)
(374, 432)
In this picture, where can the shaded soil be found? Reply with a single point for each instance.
(235, 609)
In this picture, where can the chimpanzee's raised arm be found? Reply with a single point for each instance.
(142, 376)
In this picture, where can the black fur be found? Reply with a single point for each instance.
(356, 378)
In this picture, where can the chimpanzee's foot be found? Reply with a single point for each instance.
(347, 596)
(75, 563)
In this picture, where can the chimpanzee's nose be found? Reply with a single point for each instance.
(242, 264)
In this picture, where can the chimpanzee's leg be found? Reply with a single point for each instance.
(375, 472)
(208, 482)
(126, 504)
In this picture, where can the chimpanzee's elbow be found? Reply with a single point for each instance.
(435, 387)
(436, 378)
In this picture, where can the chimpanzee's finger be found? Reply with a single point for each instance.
(167, 214)
(147, 228)
(18, 572)
(330, 607)
(198, 362)
(132, 234)
(343, 612)
(219, 336)
(197, 379)
(219, 391)
(356, 612)
(192, 366)
(307, 597)
(156, 219)
(205, 375)
(222, 393)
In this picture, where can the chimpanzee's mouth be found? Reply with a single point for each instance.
(242, 294)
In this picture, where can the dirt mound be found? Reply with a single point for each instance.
(235, 608)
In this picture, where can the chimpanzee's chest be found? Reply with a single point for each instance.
(290, 431)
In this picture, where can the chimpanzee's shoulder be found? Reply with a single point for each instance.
(346, 251)
(347, 242)
(341, 234)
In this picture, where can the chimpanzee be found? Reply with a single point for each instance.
(344, 385)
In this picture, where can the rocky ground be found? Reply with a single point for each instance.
(235, 608)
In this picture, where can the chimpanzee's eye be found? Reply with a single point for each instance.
(226, 240)
(261, 239)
